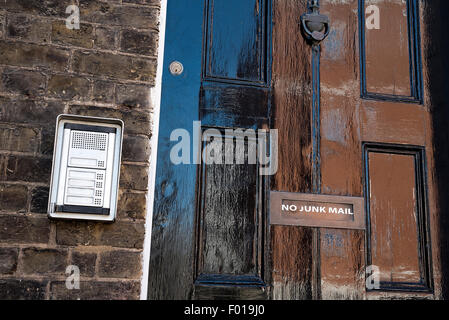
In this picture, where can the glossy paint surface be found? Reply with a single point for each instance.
(210, 220)
(246, 65)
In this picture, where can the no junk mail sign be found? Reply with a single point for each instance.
(315, 210)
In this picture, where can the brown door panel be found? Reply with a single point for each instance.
(375, 99)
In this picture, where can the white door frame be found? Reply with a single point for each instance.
(155, 98)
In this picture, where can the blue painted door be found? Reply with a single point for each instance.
(209, 222)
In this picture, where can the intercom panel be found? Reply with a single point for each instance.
(86, 168)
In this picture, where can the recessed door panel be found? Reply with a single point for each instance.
(235, 47)
(396, 202)
(231, 219)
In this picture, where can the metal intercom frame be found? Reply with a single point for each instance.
(69, 128)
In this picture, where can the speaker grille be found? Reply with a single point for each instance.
(89, 140)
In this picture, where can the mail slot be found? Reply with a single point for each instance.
(86, 168)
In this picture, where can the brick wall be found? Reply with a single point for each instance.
(106, 68)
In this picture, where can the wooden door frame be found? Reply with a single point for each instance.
(435, 54)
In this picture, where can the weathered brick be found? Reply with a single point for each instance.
(20, 139)
(105, 38)
(136, 122)
(136, 148)
(2, 24)
(91, 8)
(30, 111)
(47, 140)
(38, 7)
(85, 261)
(74, 233)
(113, 235)
(88, 234)
(114, 66)
(103, 91)
(120, 264)
(134, 177)
(96, 290)
(24, 82)
(44, 261)
(82, 37)
(25, 168)
(132, 205)
(28, 28)
(13, 198)
(39, 199)
(68, 87)
(8, 260)
(27, 125)
(147, 2)
(32, 55)
(24, 229)
(133, 95)
(139, 42)
(110, 14)
(12, 289)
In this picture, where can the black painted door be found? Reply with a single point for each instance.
(209, 229)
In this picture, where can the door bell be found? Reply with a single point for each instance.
(86, 168)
